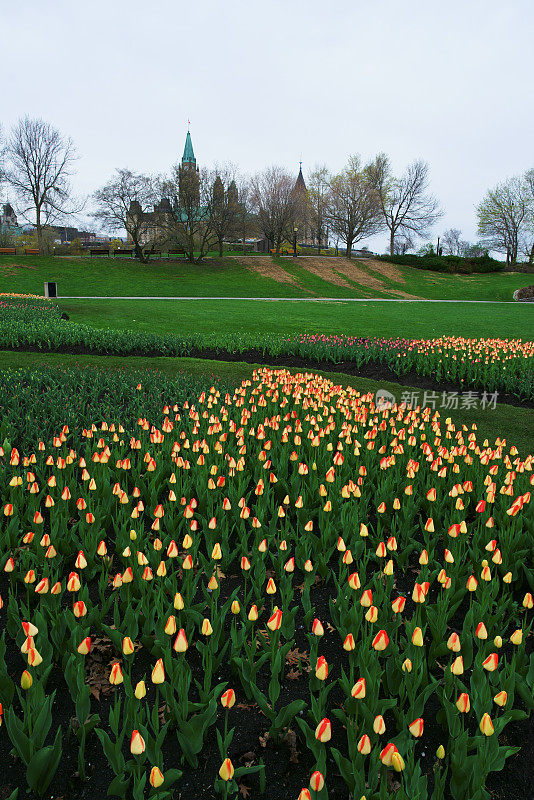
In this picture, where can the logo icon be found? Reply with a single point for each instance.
(384, 400)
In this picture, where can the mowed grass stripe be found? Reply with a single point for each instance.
(410, 320)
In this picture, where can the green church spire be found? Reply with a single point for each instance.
(188, 156)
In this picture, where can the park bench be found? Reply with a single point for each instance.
(153, 253)
(123, 253)
(32, 251)
(176, 253)
(8, 251)
(99, 251)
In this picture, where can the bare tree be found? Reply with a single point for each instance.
(189, 223)
(274, 202)
(501, 217)
(39, 161)
(318, 198)
(527, 234)
(451, 242)
(403, 243)
(224, 204)
(353, 211)
(405, 205)
(126, 202)
(246, 223)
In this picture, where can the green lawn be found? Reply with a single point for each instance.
(516, 424)
(279, 317)
(228, 278)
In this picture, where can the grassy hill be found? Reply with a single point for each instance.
(250, 276)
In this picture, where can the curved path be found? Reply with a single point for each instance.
(287, 299)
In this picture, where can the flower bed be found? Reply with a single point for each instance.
(490, 365)
(277, 590)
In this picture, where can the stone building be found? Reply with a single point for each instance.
(155, 222)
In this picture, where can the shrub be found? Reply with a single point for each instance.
(451, 264)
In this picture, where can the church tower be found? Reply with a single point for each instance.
(188, 159)
(302, 218)
(189, 177)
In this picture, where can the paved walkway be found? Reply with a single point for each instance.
(287, 299)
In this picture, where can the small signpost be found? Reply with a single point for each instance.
(50, 288)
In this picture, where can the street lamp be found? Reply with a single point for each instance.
(295, 231)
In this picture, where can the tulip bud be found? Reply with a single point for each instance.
(156, 777)
(491, 662)
(501, 698)
(207, 630)
(84, 646)
(381, 640)
(235, 608)
(158, 673)
(497, 641)
(379, 726)
(486, 725)
(227, 770)
(406, 665)
(321, 669)
(417, 637)
(528, 601)
(304, 794)
(387, 753)
(349, 643)
(137, 744)
(253, 613)
(228, 698)
(140, 690)
(440, 752)
(323, 731)
(416, 727)
(453, 643)
(26, 680)
(127, 646)
(517, 637)
(397, 762)
(457, 666)
(358, 690)
(463, 704)
(472, 583)
(115, 676)
(180, 643)
(481, 632)
(170, 625)
(364, 745)
(317, 781)
(274, 623)
(317, 627)
(398, 605)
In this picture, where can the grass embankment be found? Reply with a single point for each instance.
(515, 424)
(249, 276)
(354, 319)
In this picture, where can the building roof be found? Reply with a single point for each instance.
(300, 185)
(188, 156)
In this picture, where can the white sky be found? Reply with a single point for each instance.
(275, 82)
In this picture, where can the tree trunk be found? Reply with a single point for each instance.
(138, 250)
(392, 242)
(39, 229)
(531, 255)
(349, 248)
(220, 248)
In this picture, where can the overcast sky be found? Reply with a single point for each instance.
(275, 82)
